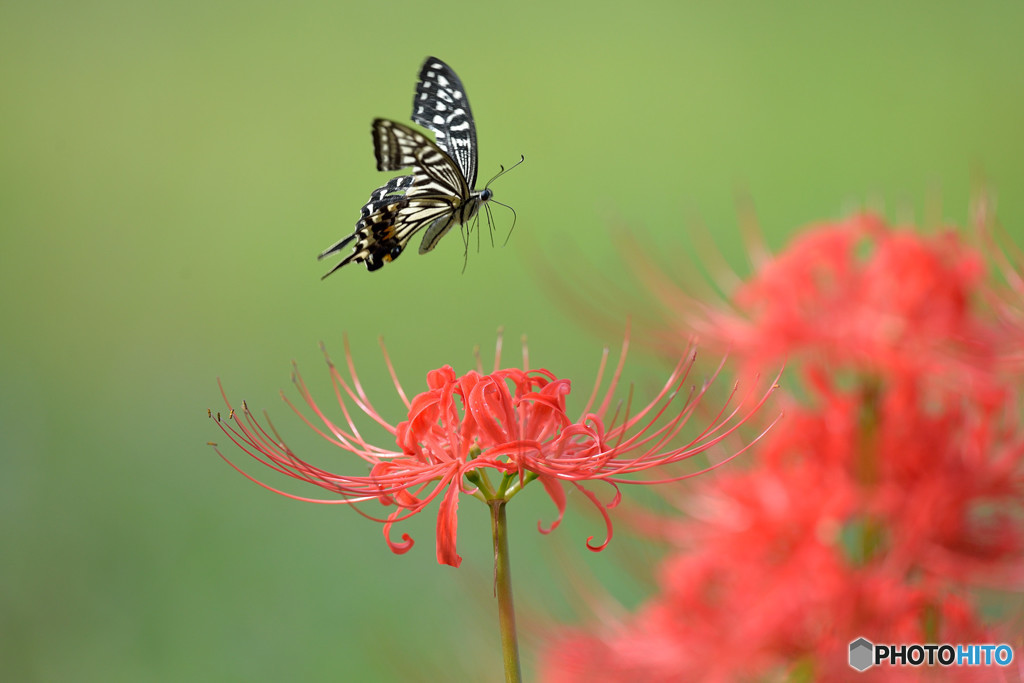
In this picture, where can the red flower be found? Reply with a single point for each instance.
(893, 486)
(513, 422)
(856, 294)
(761, 588)
(725, 621)
(940, 481)
(861, 294)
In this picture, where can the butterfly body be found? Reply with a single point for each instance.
(439, 193)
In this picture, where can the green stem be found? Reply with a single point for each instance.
(870, 424)
(872, 532)
(503, 590)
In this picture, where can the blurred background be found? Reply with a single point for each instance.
(169, 172)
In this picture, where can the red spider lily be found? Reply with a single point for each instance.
(940, 482)
(894, 486)
(857, 293)
(763, 585)
(931, 417)
(512, 421)
(722, 622)
(889, 308)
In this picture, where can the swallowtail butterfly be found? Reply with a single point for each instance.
(439, 193)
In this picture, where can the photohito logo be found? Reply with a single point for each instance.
(865, 654)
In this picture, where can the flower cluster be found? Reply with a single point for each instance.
(893, 486)
(512, 422)
(902, 310)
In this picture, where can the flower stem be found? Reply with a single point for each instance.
(872, 531)
(870, 423)
(503, 590)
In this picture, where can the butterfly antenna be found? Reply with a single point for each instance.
(504, 170)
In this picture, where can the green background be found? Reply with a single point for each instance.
(169, 171)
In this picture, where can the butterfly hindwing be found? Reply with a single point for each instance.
(381, 198)
(394, 188)
(381, 236)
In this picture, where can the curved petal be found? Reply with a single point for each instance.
(557, 494)
(490, 404)
(397, 548)
(447, 527)
(437, 379)
(602, 508)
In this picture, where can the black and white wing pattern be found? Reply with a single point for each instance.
(439, 193)
(442, 106)
(435, 196)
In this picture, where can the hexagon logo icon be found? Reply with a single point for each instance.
(861, 654)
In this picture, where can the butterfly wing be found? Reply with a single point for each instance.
(407, 204)
(389, 193)
(441, 105)
(398, 146)
(381, 236)
(386, 194)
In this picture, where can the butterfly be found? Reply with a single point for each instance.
(439, 193)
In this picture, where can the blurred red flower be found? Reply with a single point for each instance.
(777, 568)
(858, 295)
(894, 484)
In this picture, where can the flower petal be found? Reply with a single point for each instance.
(397, 548)
(557, 493)
(448, 525)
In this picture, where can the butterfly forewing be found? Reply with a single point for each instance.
(441, 105)
(438, 175)
(398, 146)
